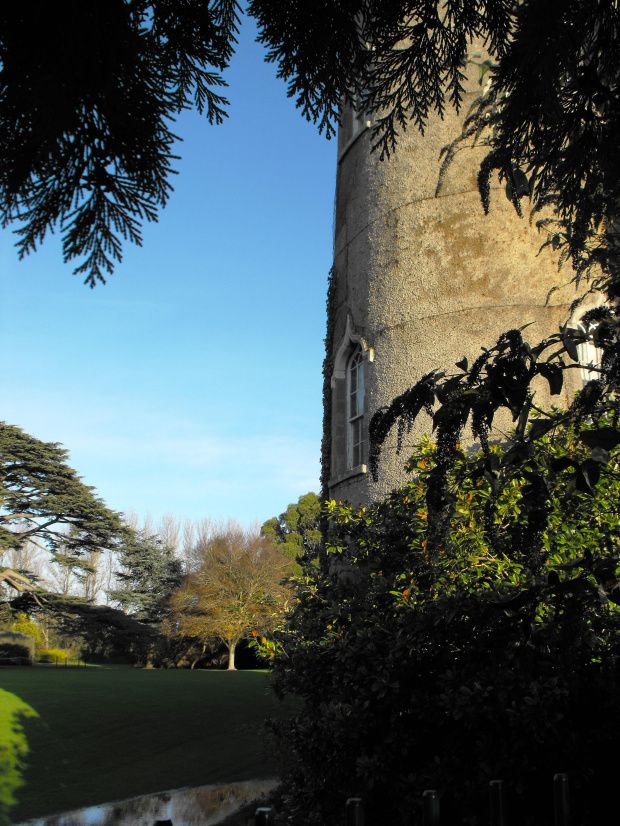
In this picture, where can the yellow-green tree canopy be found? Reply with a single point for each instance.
(237, 591)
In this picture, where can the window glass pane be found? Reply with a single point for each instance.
(360, 388)
(356, 443)
(355, 378)
(356, 386)
(588, 355)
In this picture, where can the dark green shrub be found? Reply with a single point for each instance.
(10, 651)
(489, 652)
(14, 644)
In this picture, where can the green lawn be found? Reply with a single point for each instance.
(105, 734)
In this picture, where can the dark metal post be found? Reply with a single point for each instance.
(264, 817)
(496, 791)
(561, 800)
(430, 807)
(354, 810)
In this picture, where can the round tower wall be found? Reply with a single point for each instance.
(421, 281)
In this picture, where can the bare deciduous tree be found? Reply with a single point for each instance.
(92, 577)
(26, 556)
(187, 548)
(168, 531)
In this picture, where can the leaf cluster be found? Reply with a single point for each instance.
(445, 664)
(503, 377)
(297, 531)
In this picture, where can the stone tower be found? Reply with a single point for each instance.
(418, 282)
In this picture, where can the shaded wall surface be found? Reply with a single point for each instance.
(421, 281)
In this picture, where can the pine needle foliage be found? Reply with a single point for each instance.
(549, 109)
(400, 60)
(88, 93)
(149, 573)
(43, 500)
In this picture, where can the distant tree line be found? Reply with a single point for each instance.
(80, 578)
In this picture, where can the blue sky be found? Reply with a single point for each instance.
(191, 382)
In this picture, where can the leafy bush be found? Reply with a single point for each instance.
(52, 655)
(27, 626)
(10, 650)
(16, 644)
(489, 650)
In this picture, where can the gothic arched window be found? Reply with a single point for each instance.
(355, 408)
(351, 383)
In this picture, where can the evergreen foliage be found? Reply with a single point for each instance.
(14, 650)
(17, 643)
(549, 111)
(400, 59)
(103, 633)
(43, 500)
(88, 92)
(149, 573)
(297, 530)
(492, 652)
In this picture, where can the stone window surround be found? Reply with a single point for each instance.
(350, 341)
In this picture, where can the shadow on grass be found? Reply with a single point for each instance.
(13, 749)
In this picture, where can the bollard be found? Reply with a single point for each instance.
(496, 792)
(560, 800)
(355, 811)
(430, 808)
(264, 817)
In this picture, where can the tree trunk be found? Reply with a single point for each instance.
(44, 631)
(204, 648)
(231, 656)
(149, 657)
